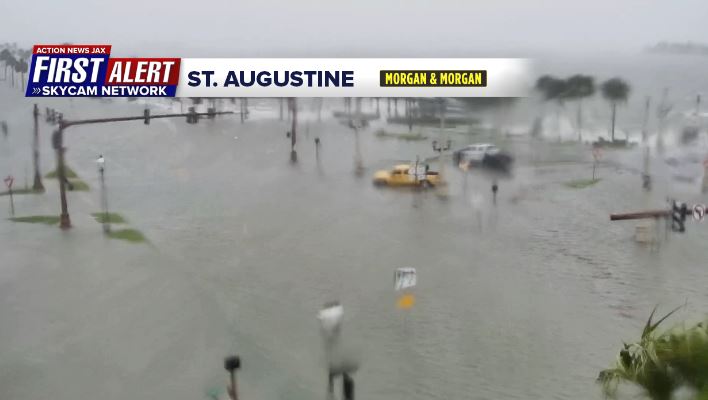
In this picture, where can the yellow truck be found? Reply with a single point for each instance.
(406, 175)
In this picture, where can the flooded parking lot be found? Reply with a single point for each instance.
(526, 299)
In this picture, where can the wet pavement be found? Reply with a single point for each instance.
(528, 299)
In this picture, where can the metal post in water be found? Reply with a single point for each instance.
(12, 202)
(37, 185)
(104, 195)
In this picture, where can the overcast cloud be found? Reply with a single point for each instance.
(362, 28)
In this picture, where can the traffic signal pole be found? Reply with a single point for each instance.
(58, 144)
(677, 213)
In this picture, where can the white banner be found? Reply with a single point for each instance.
(354, 77)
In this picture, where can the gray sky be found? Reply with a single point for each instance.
(362, 28)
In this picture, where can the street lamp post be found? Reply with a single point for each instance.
(104, 195)
(58, 144)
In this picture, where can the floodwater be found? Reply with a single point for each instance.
(525, 300)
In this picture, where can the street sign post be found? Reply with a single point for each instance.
(9, 180)
(596, 153)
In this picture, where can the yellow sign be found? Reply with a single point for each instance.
(446, 78)
(406, 301)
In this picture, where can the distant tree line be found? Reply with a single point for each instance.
(576, 88)
(15, 60)
(679, 48)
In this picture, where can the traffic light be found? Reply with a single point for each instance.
(56, 140)
(232, 363)
(678, 217)
(146, 114)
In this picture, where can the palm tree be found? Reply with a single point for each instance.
(556, 90)
(5, 56)
(660, 363)
(580, 87)
(615, 91)
(22, 67)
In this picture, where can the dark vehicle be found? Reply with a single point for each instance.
(484, 155)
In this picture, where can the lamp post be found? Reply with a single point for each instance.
(100, 161)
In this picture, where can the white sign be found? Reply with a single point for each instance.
(699, 211)
(331, 316)
(354, 77)
(420, 174)
(404, 278)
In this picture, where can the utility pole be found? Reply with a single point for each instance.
(242, 109)
(356, 124)
(37, 185)
(293, 132)
(662, 112)
(58, 144)
(646, 178)
(444, 145)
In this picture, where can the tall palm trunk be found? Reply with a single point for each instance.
(580, 121)
(614, 115)
(558, 124)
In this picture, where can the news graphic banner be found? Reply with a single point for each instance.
(90, 71)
